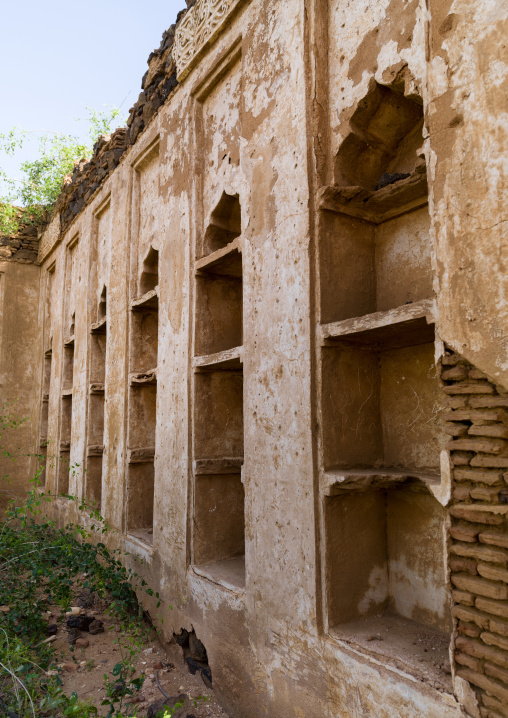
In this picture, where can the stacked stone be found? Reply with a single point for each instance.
(478, 424)
(88, 175)
(157, 85)
(23, 246)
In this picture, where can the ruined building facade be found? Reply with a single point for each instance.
(267, 329)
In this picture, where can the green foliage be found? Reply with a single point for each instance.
(124, 684)
(42, 177)
(43, 565)
(30, 685)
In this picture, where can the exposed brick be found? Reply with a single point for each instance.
(480, 650)
(470, 661)
(491, 639)
(471, 615)
(461, 458)
(475, 514)
(463, 565)
(485, 402)
(455, 402)
(469, 387)
(494, 573)
(497, 625)
(463, 597)
(477, 374)
(496, 672)
(482, 493)
(495, 704)
(496, 430)
(496, 608)
(460, 493)
(494, 538)
(485, 445)
(455, 428)
(464, 533)
(489, 461)
(488, 684)
(488, 554)
(453, 359)
(482, 476)
(468, 629)
(480, 586)
(477, 415)
(457, 373)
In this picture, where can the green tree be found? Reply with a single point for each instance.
(29, 198)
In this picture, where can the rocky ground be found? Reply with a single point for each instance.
(90, 650)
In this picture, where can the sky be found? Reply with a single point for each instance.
(57, 58)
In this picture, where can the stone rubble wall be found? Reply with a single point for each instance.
(22, 247)
(478, 559)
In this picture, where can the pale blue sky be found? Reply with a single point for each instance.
(58, 57)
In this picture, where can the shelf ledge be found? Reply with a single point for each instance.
(406, 325)
(143, 455)
(227, 359)
(338, 481)
(97, 388)
(228, 573)
(143, 378)
(65, 446)
(224, 465)
(66, 393)
(222, 261)
(94, 450)
(99, 327)
(69, 342)
(378, 206)
(150, 300)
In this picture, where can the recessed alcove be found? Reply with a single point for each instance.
(68, 365)
(96, 407)
(102, 306)
(386, 577)
(142, 412)
(149, 277)
(219, 304)
(219, 522)
(381, 407)
(225, 224)
(65, 443)
(386, 134)
(384, 572)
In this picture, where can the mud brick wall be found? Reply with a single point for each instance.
(477, 421)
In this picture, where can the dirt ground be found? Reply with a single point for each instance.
(83, 670)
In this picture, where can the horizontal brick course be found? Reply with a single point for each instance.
(488, 684)
(494, 538)
(464, 533)
(494, 573)
(481, 552)
(496, 608)
(480, 586)
(482, 476)
(492, 639)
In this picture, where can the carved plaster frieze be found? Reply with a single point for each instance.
(199, 27)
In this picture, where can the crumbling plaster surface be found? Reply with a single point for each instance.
(467, 118)
(19, 372)
(247, 135)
